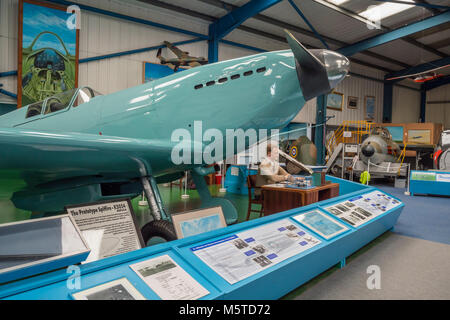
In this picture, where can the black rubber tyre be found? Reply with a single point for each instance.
(160, 228)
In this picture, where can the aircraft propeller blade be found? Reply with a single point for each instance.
(319, 71)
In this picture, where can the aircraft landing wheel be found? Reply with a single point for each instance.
(158, 231)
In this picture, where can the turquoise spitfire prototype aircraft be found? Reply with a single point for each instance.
(79, 147)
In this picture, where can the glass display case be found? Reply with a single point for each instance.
(39, 245)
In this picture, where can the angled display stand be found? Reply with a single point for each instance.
(320, 242)
(429, 182)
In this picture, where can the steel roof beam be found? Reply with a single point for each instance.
(284, 25)
(235, 18)
(419, 68)
(128, 18)
(355, 16)
(435, 83)
(185, 11)
(300, 13)
(269, 35)
(432, 10)
(417, 3)
(440, 44)
(430, 31)
(396, 34)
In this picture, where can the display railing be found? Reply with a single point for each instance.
(357, 130)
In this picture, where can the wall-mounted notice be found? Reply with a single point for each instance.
(246, 253)
(109, 228)
(168, 280)
(358, 210)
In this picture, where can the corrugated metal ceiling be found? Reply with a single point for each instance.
(331, 24)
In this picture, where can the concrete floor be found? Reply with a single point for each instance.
(410, 269)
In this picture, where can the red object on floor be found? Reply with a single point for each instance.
(218, 179)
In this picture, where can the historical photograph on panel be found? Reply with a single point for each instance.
(120, 289)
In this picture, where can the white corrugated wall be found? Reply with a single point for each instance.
(405, 105)
(439, 113)
(355, 87)
(8, 46)
(101, 35)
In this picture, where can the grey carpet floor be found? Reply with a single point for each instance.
(410, 268)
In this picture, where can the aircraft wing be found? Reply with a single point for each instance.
(179, 53)
(194, 64)
(39, 157)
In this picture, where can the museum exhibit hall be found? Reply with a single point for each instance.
(233, 150)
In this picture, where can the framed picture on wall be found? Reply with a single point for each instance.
(352, 103)
(335, 101)
(47, 52)
(369, 108)
(152, 71)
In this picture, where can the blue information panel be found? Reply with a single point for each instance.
(240, 261)
(429, 182)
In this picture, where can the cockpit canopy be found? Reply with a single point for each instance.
(62, 101)
(381, 131)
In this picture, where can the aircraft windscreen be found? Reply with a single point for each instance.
(34, 109)
(84, 95)
(62, 101)
(59, 101)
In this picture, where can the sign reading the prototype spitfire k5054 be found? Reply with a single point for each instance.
(108, 227)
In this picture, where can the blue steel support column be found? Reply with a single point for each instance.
(223, 26)
(388, 91)
(213, 44)
(319, 137)
(235, 18)
(423, 103)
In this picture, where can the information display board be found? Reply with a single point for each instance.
(244, 254)
(321, 224)
(108, 227)
(168, 280)
(358, 210)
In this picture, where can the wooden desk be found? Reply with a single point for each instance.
(277, 199)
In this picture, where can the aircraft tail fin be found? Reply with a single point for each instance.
(160, 57)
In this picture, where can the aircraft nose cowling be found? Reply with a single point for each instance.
(318, 70)
(337, 66)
